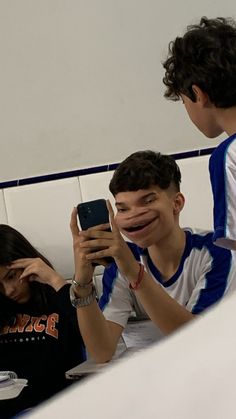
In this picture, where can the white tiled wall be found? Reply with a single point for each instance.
(3, 214)
(196, 187)
(95, 186)
(42, 211)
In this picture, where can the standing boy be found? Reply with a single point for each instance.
(201, 70)
(173, 274)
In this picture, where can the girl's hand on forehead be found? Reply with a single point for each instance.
(35, 269)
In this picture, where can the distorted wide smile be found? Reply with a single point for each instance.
(138, 227)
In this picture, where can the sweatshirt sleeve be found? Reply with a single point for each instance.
(61, 299)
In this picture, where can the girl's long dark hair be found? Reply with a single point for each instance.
(13, 245)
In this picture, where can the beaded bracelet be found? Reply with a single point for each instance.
(140, 278)
(81, 285)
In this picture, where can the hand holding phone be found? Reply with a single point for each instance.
(93, 213)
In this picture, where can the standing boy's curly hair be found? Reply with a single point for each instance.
(205, 56)
(144, 169)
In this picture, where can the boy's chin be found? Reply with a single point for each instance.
(143, 243)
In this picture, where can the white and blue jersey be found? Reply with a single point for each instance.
(222, 167)
(205, 274)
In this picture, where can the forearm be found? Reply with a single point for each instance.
(162, 309)
(56, 281)
(100, 336)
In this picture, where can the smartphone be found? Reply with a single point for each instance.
(93, 213)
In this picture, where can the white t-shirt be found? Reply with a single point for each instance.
(204, 276)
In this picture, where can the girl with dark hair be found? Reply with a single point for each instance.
(39, 334)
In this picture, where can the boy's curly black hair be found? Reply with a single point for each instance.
(205, 56)
(144, 169)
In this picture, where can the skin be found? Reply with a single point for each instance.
(209, 119)
(12, 286)
(15, 278)
(150, 218)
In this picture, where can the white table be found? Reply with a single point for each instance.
(136, 336)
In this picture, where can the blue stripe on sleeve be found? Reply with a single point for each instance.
(217, 167)
(108, 281)
(216, 279)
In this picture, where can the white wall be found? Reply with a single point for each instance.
(42, 211)
(81, 81)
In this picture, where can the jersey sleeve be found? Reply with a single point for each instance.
(116, 299)
(222, 169)
(216, 277)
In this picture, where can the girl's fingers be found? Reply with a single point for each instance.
(28, 271)
(21, 263)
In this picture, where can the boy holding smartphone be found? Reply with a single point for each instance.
(174, 274)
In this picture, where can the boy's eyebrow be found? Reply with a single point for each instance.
(119, 203)
(141, 198)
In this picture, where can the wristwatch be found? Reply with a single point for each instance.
(82, 301)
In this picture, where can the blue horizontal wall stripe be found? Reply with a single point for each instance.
(95, 169)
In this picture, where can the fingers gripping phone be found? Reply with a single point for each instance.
(93, 213)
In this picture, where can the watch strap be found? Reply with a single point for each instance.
(81, 284)
(82, 301)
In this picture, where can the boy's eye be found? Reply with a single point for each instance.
(121, 209)
(150, 200)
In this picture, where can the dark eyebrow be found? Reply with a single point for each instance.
(9, 272)
(148, 195)
(6, 274)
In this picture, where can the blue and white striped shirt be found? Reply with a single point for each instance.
(205, 274)
(222, 167)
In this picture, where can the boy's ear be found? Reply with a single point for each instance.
(178, 203)
(201, 97)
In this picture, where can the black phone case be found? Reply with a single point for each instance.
(92, 213)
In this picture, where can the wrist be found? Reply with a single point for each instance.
(136, 280)
(57, 282)
(84, 299)
(82, 292)
(133, 271)
(80, 287)
(81, 283)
